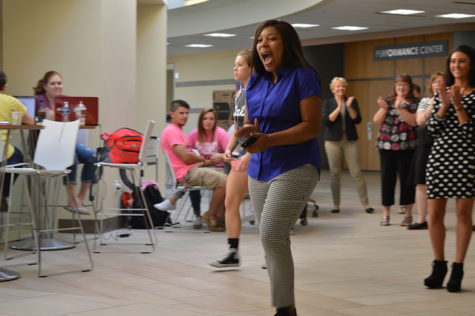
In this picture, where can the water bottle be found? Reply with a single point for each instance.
(80, 112)
(65, 112)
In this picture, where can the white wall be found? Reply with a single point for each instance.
(151, 71)
(105, 48)
(52, 35)
(195, 71)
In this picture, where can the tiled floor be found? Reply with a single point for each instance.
(346, 264)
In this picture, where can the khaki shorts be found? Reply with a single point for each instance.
(209, 178)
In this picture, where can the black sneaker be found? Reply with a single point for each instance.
(230, 259)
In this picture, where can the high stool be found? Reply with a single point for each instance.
(54, 153)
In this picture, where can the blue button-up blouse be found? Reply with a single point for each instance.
(277, 108)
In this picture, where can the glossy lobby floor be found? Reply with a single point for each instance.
(346, 264)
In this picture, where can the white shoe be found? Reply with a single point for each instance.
(165, 206)
(198, 223)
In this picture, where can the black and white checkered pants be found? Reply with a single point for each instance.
(277, 204)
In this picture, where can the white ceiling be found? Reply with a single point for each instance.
(188, 24)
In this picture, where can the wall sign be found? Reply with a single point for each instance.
(411, 50)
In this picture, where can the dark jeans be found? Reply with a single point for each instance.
(394, 162)
(195, 197)
(86, 156)
(17, 157)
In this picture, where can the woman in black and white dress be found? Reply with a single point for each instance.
(451, 167)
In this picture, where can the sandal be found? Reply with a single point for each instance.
(80, 210)
(384, 221)
(407, 221)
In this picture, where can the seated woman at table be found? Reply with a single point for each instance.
(12, 154)
(47, 88)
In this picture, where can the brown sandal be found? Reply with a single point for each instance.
(384, 221)
(407, 221)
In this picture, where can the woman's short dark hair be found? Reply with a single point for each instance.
(3, 79)
(178, 103)
(40, 89)
(292, 57)
(470, 52)
(407, 79)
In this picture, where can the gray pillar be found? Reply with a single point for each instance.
(464, 38)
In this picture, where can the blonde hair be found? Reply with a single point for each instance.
(335, 80)
(247, 55)
(434, 76)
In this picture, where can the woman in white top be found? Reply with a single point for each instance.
(236, 185)
(421, 154)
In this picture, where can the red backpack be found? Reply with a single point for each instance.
(121, 146)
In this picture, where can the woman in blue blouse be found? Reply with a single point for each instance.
(284, 103)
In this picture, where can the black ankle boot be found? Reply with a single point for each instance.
(286, 311)
(439, 270)
(456, 276)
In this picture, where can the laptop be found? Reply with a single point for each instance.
(91, 103)
(29, 103)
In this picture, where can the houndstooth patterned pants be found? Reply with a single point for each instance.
(277, 204)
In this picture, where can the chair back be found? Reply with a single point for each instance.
(146, 141)
(56, 145)
(153, 150)
(172, 181)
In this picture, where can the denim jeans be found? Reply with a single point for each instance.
(86, 156)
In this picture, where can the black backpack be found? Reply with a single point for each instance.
(152, 196)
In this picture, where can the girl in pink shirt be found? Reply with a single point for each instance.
(210, 141)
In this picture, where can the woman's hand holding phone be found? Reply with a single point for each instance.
(249, 141)
(255, 141)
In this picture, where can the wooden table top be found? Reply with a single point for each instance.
(23, 126)
(37, 126)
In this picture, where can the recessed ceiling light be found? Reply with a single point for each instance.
(304, 25)
(402, 12)
(192, 2)
(220, 35)
(455, 16)
(350, 28)
(199, 45)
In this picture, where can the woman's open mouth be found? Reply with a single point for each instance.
(267, 58)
